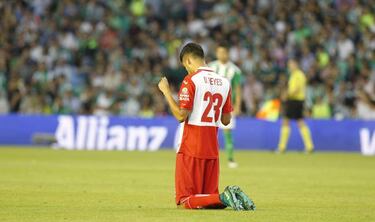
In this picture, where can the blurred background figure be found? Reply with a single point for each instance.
(227, 69)
(294, 108)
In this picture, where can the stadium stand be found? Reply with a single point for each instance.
(105, 57)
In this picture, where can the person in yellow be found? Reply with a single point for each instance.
(294, 108)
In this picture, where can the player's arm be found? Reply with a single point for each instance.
(227, 109)
(237, 89)
(237, 105)
(178, 113)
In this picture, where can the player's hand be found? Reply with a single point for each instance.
(164, 85)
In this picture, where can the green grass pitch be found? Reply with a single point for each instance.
(53, 185)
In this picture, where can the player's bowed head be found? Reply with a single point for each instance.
(192, 57)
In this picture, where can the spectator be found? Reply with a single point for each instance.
(252, 94)
(146, 108)
(321, 109)
(104, 103)
(4, 106)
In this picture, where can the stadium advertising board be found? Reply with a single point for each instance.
(124, 133)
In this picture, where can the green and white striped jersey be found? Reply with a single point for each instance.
(230, 71)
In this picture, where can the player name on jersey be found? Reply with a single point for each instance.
(213, 81)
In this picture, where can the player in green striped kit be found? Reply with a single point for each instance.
(229, 70)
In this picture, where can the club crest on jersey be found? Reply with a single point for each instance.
(184, 95)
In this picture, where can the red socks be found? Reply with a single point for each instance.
(203, 201)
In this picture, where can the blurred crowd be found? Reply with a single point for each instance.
(105, 57)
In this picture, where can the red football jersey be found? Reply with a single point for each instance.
(208, 96)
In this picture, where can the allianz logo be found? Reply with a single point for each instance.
(94, 133)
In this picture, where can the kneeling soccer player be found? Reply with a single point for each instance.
(204, 100)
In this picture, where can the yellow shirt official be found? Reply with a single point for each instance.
(297, 85)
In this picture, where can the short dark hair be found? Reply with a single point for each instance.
(193, 49)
